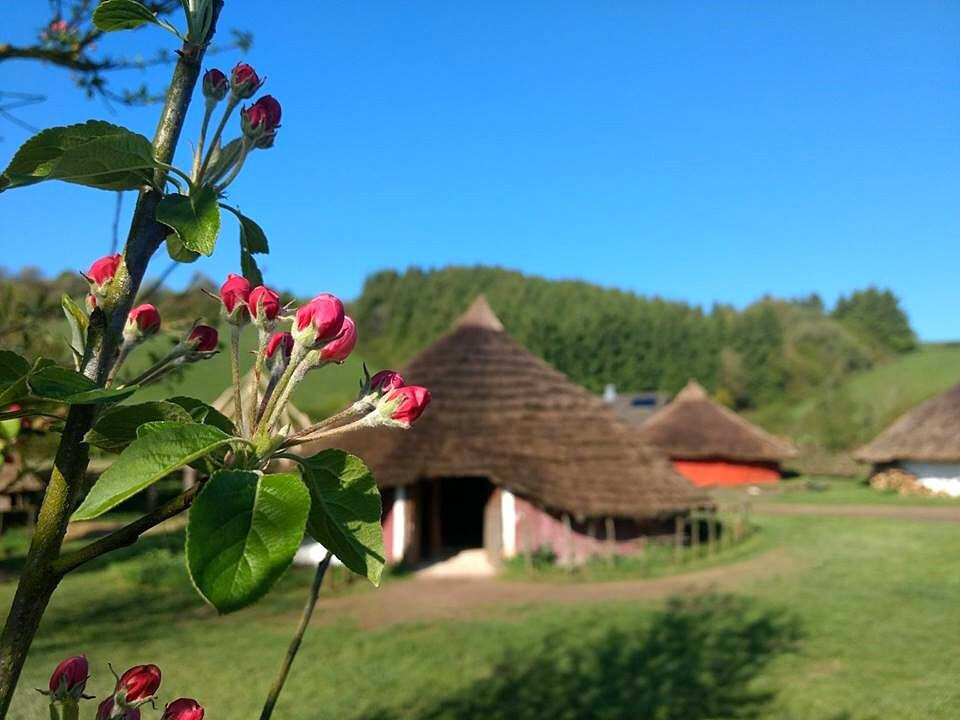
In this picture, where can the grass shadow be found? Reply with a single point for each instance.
(696, 659)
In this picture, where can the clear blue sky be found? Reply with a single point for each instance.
(696, 150)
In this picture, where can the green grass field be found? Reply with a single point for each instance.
(849, 618)
(830, 491)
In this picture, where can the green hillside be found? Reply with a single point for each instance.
(849, 413)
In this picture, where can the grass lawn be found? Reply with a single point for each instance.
(830, 491)
(855, 619)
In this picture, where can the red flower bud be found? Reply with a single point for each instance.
(261, 120)
(215, 85)
(319, 320)
(142, 321)
(91, 302)
(204, 338)
(233, 294)
(413, 401)
(105, 710)
(386, 380)
(339, 349)
(69, 677)
(183, 709)
(139, 682)
(102, 271)
(244, 80)
(263, 303)
(283, 340)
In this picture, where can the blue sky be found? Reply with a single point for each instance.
(696, 150)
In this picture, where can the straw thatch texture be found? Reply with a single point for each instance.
(694, 426)
(500, 412)
(928, 433)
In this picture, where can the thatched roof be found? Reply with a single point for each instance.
(694, 426)
(291, 415)
(500, 412)
(928, 433)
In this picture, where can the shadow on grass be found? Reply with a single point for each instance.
(695, 660)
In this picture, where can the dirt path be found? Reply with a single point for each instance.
(424, 599)
(905, 512)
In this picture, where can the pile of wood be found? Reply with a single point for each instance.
(901, 481)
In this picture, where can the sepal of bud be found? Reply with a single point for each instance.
(372, 388)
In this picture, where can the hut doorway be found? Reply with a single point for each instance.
(452, 515)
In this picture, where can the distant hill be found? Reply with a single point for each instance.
(773, 350)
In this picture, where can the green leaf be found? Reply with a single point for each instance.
(243, 531)
(78, 321)
(117, 427)
(153, 455)
(205, 414)
(13, 377)
(95, 153)
(249, 268)
(345, 511)
(195, 218)
(52, 382)
(113, 15)
(252, 236)
(178, 252)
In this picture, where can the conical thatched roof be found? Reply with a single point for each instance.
(500, 412)
(928, 433)
(694, 426)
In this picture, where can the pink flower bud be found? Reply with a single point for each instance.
(215, 85)
(234, 294)
(264, 304)
(183, 709)
(244, 80)
(102, 272)
(69, 678)
(204, 338)
(413, 401)
(318, 321)
(105, 711)
(142, 321)
(139, 682)
(282, 340)
(91, 302)
(261, 120)
(386, 380)
(339, 349)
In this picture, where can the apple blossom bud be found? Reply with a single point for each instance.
(139, 683)
(183, 709)
(319, 321)
(263, 304)
(413, 400)
(386, 380)
(282, 341)
(91, 302)
(105, 711)
(261, 120)
(339, 349)
(234, 294)
(142, 322)
(215, 85)
(69, 678)
(244, 81)
(101, 273)
(204, 338)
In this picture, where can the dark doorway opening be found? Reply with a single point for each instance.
(451, 515)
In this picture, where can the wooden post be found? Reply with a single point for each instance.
(569, 537)
(712, 532)
(678, 539)
(694, 535)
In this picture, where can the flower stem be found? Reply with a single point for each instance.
(298, 356)
(332, 432)
(358, 408)
(254, 406)
(245, 148)
(235, 370)
(277, 686)
(198, 155)
(215, 140)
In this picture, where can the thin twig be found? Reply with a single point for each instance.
(296, 639)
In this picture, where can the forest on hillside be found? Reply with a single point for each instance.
(773, 349)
